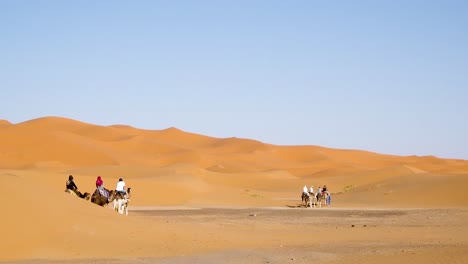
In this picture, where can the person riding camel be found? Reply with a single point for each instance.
(99, 182)
(305, 193)
(100, 187)
(70, 185)
(319, 191)
(120, 188)
(324, 190)
(311, 191)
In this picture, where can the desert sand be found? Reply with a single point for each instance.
(200, 199)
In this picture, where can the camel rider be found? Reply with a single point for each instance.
(120, 188)
(100, 187)
(305, 190)
(99, 182)
(324, 190)
(311, 191)
(70, 185)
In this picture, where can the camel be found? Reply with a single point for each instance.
(312, 200)
(309, 199)
(101, 200)
(322, 197)
(85, 195)
(305, 198)
(121, 202)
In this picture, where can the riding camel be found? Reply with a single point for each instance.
(322, 197)
(309, 199)
(121, 201)
(102, 200)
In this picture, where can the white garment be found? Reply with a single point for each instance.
(120, 186)
(319, 190)
(304, 189)
(311, 189)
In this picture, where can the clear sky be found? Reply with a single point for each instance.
(387, 76)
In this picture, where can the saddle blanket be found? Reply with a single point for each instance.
(103, 192)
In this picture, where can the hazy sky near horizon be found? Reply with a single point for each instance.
(384, 76)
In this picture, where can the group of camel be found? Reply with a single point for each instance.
(120, 202)
(315, 200)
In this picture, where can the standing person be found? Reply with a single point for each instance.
(325, 190)
(120, 188)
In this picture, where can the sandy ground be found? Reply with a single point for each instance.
(200, 199)
(305, 235)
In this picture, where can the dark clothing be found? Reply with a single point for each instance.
(71, 185)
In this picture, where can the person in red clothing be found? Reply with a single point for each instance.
(99, 182)
(100, 187)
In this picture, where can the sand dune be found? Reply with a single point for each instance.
(4, 123)
(171, 167)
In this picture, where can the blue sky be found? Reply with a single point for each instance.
(384, 76)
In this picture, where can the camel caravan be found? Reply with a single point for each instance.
(312, 199)
(120, 197)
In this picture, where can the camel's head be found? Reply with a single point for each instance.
(86, 196)
(112, 195)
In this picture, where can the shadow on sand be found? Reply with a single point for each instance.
(296, 206)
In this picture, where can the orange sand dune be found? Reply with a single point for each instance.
(4, 123)
(174, 158)
(178, 168)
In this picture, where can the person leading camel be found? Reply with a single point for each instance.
(325, 190)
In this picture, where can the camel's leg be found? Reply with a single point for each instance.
(115, 205)
(120, 206)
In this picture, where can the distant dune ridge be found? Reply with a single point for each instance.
(64, 146)
(174, 167)
(4, 123)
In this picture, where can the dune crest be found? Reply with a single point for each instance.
(4, 122)
(56, 144)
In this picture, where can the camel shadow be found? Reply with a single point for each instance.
(295, 206)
